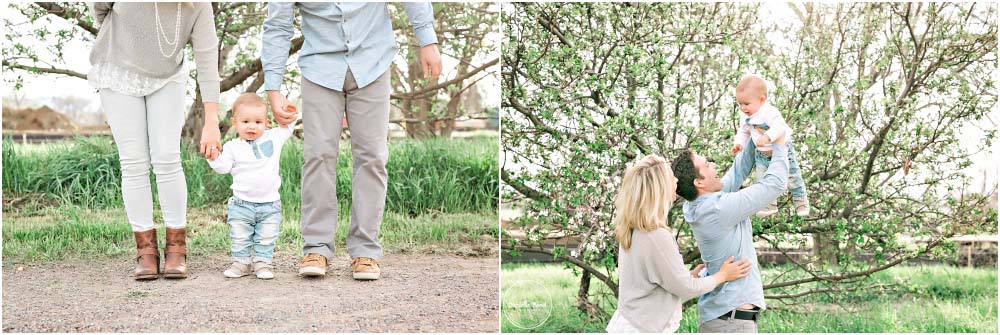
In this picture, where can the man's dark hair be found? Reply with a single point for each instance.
(686, 173)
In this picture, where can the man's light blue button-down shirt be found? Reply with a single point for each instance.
(720, 222)
(338, 36)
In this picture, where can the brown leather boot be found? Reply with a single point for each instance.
(147, 259)
(175, 265)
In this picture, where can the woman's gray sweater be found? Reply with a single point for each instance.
(653, 281)
(130, 54)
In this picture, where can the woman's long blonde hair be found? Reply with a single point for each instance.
(644, 198)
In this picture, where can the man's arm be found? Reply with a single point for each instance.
(734, 207)
(742, 165)
(421, 15)
(277, 40)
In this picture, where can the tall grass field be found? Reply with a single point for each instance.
(925, 299)
(441, 175)
(64, 199)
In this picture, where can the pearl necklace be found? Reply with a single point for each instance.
(163, 32)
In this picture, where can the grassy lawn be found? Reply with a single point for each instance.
(56, 232)
(429, 176)
(930, 299)
(64, 199)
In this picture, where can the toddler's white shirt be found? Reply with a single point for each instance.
(255, 175)
(778, 130)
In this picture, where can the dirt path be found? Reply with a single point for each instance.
(417, 293)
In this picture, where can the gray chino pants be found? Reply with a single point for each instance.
(728, 326)
(367, 111)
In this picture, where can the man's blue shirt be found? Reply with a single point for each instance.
(720, 222)
(338, 36)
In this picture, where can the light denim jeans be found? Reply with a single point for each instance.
(253, 224)
(147, 131)
(795, 183)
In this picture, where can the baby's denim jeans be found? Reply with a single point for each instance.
(253, 224)
(795, 183)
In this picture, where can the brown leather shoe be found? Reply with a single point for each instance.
(147, 258)
(313, 265)
(365, 268)
(175, 265)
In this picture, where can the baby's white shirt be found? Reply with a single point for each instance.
(255, 175)
(778, 129)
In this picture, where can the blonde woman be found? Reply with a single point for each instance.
(653, 281)
(138, 67)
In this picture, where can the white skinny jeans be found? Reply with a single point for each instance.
(148, 130)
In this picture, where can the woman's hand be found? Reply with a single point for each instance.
(210, 135)
(732, 270)
(210, 138)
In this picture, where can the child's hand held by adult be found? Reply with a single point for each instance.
(211, 137)
(209, 147)
(289, 109)
(278, 107)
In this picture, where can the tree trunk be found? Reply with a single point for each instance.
(452, 110)
(417, 124)
(583, 294)
(851, 250)
(661, 135)
(195, 120)
(422, 127)
(447, 125)
(825, 249)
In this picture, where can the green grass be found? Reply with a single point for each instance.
(64, 199)
(67, 231)
(553, 289)
(425, 177)
(930, 299)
